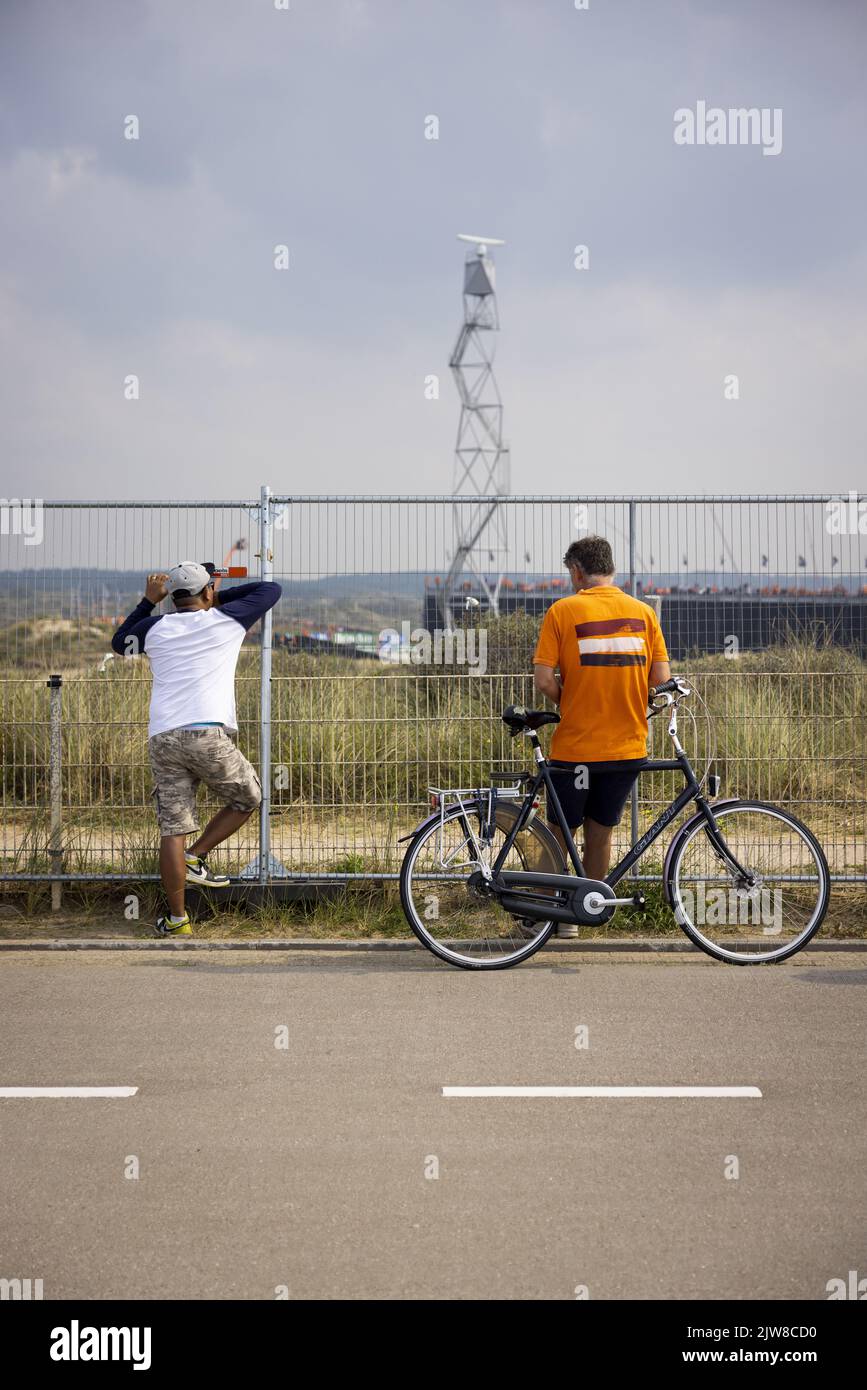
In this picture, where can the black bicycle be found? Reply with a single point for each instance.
(484, 881)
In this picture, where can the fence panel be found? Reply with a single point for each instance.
(399, 638)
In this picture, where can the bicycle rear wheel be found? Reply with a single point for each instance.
(765, 909)
(457, 925)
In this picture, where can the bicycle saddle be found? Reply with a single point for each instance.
(518, 719)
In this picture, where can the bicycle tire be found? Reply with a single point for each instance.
(430, 827)
(694, 827)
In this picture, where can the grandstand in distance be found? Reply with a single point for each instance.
(696, 622)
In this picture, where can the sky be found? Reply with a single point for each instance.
(306, 127)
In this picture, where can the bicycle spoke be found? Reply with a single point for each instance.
(454, 919)
(764, 901)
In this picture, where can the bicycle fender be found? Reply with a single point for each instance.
(435, 816)
(555, 862)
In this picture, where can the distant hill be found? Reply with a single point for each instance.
(406, 581)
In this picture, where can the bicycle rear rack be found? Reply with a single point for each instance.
(442, 798)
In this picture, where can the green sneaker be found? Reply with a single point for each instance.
(166, 928)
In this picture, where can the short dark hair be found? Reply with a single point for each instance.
(187, 598)
(592, 553)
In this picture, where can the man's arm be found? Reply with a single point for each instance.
(546, 682)
(546, 658)
(129, 639)
(222, 596)
(248, 602)
(660, 671)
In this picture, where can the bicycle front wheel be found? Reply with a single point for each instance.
(763, 905)
(452, 921)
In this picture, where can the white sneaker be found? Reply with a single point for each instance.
(198, 872)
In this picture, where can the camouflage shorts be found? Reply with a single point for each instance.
(181, 759)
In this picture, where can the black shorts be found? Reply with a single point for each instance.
(599, 793)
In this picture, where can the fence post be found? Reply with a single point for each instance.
(266, 570)
(55, 786)
(633, 796)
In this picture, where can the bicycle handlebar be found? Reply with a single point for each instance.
(676, 684)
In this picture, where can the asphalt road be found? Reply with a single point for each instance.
(304, 1167)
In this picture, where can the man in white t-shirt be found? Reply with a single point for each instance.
(193, 725)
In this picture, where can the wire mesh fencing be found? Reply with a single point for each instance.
(405, 627)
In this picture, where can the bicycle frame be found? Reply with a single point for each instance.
(691, 792)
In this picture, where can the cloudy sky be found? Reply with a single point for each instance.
(306, 127)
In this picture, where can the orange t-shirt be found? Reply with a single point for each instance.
(604, 642)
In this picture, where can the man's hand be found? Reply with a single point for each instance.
(155, 589)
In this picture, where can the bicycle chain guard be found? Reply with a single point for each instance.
(570, 906)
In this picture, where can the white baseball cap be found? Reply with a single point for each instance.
(188, 575)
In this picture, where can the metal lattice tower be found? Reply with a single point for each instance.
(481, 457)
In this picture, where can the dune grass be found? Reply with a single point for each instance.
(355, 745)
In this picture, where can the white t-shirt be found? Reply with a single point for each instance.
(193, 658)
(193, 655)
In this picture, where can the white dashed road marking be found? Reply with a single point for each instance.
(66, 1092)
(611, 1092)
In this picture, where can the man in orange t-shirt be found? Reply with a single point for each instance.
(609, 650)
